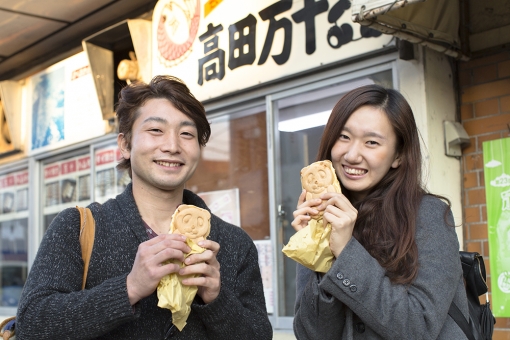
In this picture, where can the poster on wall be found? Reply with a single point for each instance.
(219, 47)
(63, 106)
(265, 252)
(224, 204)
(496, 158)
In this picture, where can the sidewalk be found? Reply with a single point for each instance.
(283, 335)
(277, 335)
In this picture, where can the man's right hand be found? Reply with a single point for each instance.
(151, 264)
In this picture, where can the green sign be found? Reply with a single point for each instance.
(496, 159)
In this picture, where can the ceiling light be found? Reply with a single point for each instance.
(304, 122)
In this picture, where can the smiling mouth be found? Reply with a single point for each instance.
(168, 164)
(355, 172)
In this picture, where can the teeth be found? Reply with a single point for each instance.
(168, 164)
(351, 171)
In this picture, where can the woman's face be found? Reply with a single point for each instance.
(365, 151)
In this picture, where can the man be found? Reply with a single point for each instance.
(162, 128)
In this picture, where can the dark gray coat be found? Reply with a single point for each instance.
(356, 300)
(53, 306)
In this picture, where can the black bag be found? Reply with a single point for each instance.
(481, 321)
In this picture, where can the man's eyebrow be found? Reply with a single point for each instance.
(188, 123)
(155, 119)
(163, 120)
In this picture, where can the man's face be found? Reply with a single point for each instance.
(164, 147)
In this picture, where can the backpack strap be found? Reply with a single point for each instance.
(87, 234)
(459, 318)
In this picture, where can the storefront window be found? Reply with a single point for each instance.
(14, 236)
(232, 179)
(232, 174)
(109, 182)
(66, 183)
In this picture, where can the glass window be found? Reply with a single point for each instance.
(66, 183)
(14, 236)
(109, 182)
(232, 178)
(232, 174)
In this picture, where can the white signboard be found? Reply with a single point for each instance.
(62, 105)
(224, 204)
(218, 47)
(266, 271)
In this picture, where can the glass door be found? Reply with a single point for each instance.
(299, 118)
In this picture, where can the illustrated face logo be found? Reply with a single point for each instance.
(504, 282)
(192, 222)
(178, 22)
(316, 178)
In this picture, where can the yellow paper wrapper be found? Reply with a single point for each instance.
(173, 295)
(310, 245)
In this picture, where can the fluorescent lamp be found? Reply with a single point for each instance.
(304, 122)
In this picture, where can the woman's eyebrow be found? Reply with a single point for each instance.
(367, 133)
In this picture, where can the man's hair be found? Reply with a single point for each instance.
(135, 95)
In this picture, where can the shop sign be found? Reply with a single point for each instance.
(219, 47)
(496, 159)
(63, 107)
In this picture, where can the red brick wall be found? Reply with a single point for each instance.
(484, 85)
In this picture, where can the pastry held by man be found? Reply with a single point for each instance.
(194, 223)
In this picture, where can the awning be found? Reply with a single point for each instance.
(431, 23)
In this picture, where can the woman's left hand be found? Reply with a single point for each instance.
(342, 216)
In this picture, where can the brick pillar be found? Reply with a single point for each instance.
(484, 85)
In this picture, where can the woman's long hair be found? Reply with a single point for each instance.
(386, 220)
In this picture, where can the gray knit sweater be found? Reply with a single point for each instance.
(53, 306)
(355, 300)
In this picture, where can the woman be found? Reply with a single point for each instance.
(397, 267)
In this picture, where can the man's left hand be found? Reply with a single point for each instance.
(207, 268)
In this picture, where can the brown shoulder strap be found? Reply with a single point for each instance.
(6, 334)
(87, 234)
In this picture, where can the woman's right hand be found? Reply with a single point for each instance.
(304, 210)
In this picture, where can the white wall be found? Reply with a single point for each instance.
(427, 83)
